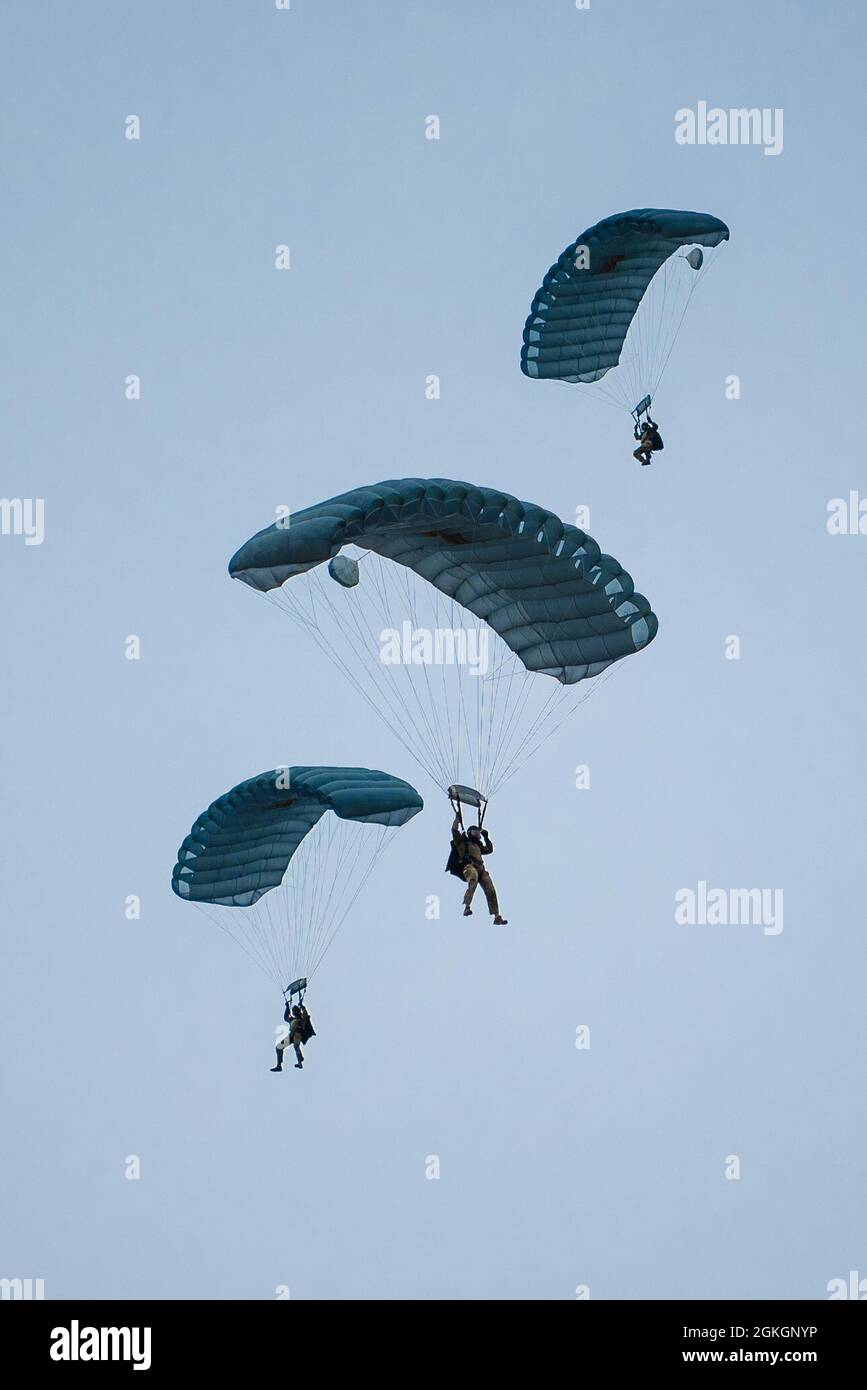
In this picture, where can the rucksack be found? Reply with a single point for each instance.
(455, 862)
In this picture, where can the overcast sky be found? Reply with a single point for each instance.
(447, 1040)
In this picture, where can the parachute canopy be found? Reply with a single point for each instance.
(545, 588)
(466, 598)
(589, 300)
(270, 866)
(241, 846)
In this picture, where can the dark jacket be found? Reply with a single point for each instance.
(465, 851)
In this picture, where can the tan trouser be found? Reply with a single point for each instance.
(292, 1040)
(474, 876)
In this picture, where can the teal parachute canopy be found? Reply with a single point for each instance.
(241, 846)
(462, 600)
(596, 294)
(301, 839)
(545, 588)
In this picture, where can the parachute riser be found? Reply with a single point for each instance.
(467, 796)
(297, 987)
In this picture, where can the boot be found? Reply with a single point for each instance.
(501, 921)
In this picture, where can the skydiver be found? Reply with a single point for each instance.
(649, 441)
(465, 860)
(301, 1030)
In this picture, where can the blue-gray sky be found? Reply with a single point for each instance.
(559, 1167)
